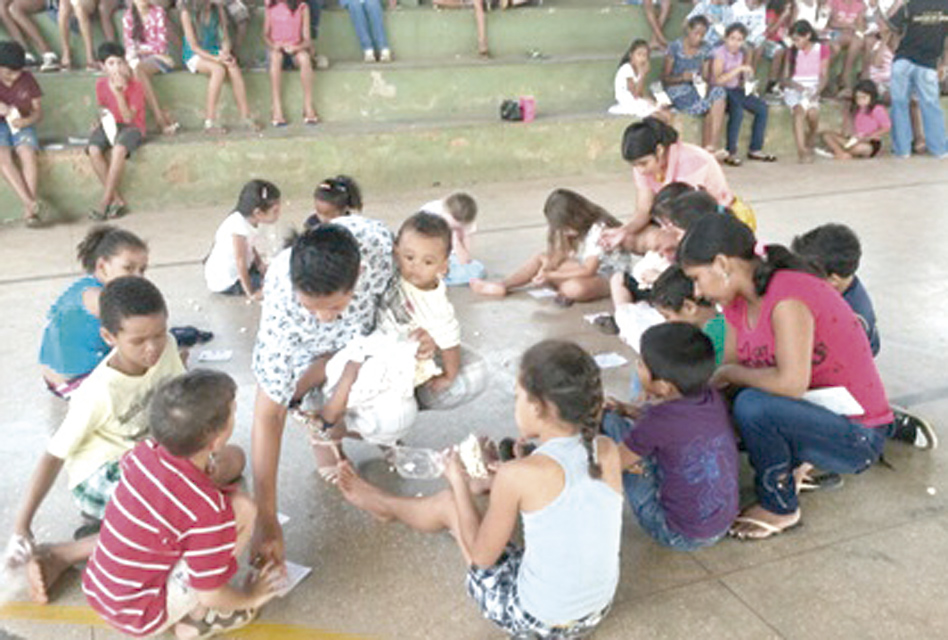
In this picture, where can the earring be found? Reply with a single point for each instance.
(727, 277)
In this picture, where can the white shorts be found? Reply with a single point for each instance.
(180, 598)
(192, 64)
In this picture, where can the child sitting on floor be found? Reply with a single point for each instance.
(334, 198)
(574, 263)
(835, 250)
(865, 123)
(172, 534)
(233, 266)
(673, 296)
(121, 128)
(460, 212)
(561, 582)
(106, 418)
(680, 454)
(20, 110)
(72, 342)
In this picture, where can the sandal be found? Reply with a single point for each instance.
(760, 156)
(821, 482)
(764, 529)
(251, 124)
(115, 210)
(607, 325)
(213, 128)
(278, 124)
(311, 121)
(733, 161)
(97, 215)
(171, 128)
(216, 622)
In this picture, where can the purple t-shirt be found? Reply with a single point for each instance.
(693, 444)
(731, 61)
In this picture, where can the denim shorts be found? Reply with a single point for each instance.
(26, 135)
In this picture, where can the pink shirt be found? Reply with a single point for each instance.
(134, 97)
(692, 164)
(847, 12)
(286, 27)
(155, 29)
(868, 123)
(806, 69)
(841, 357)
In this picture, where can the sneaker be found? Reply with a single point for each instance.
(912, 429)
(30, 59)
(385, 55)
(322, 62)
(50, 62)
(823, 153)
(368, 55)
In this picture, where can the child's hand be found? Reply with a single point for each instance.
(267, 583)
(4, 109)
(17, 122)
(454, 471)
(541, 278)
(720, 378)
(426, 344)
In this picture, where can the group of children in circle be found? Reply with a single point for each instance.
(711, 71)
(737, 347)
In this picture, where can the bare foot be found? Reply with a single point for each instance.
(756, 523)
(43, 569)
(360, 493)
(486, 288)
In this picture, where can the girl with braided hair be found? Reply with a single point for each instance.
(567, 492)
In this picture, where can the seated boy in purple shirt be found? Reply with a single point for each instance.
(836, 251)
(679, 455)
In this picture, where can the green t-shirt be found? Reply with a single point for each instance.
(716, 329)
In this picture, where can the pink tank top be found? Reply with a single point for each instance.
(286, 27)
(841, 353)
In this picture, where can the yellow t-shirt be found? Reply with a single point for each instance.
(107, 415)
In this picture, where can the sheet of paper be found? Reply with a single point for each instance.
(215, 355)
(634, 319)
(295, 574)
(282, 518)
(609, 360)
(592, 317)
(542, 293)
(835, 399)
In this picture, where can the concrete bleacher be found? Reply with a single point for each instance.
(429, 118)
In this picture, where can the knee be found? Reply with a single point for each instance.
(750, 409)
(573, 289)
(96, 152)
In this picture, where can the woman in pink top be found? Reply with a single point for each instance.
(145, 31)
(658, 159)
(864, 124)
(787, 332)
(287, 35)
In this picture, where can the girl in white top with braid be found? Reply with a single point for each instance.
(567, 492)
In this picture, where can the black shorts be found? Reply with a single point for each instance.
(876, 147)
(129, 137)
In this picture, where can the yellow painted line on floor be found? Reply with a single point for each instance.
(85, 616)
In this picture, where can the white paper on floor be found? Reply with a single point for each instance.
(609, 360)
(836, 399)
(282, 518)
(634, 319)
(542, 292)
(295, 574)
(215, 355)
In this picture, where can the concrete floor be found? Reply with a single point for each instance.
(865, 564)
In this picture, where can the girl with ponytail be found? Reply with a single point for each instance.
(567, 491)
(788, 332)
(659, 158)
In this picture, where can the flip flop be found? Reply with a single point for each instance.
(760, 156)
(216, 622)
(278, 124)
(822, 482)
(733, 161)
(768, 530)
(97, 215)
(607, 325)
(311, 121)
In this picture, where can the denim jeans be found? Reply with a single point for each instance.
(781, 433)
(910, 79)
(642, 491)
(369, 23)
(737, 103)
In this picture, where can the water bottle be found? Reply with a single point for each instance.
(418, 464)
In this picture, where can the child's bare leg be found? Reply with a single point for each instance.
(585, 289)
(861, 150)
(853, 52)
(116, 168)
(245, 515)
(49, 563)
(313, 378)
(836, 143)
(813, 125)
(10, 24)
(429, 514)
(216, 74)
(799, 134)
(106, 12)
(99, 163)
(228, 466)
(84, 15)
(305, 62)
(522, 276)
(481, 21)
(144, 72)
(15, 178)
(714, 120)
(22, 12)
(65, 14)
(239, 88)
(276, 75)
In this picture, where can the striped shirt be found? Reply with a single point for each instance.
(163, 510)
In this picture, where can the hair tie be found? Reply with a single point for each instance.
(760, 249)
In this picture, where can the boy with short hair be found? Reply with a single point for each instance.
(459, 210)
(20, 110)
(106, 418)
(680, 454)
(171, 536)
(673, 296)
(835, 250)
(121, 129)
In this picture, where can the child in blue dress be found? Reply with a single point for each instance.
(72, 341)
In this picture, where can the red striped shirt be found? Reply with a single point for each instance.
(164, 509)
